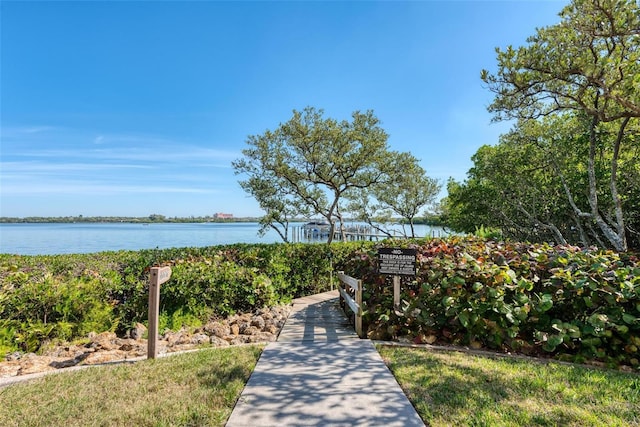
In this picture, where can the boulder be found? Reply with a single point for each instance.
(217, 329)
(104, 357)
(258, 322)
(104, 341)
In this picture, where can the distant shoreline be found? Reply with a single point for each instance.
(133, 220)
(160, 219)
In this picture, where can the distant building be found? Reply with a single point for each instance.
(223, 216)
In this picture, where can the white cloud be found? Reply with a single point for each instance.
(35, 167)
(84, 188)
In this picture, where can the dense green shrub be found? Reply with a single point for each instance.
(537, 299)
(66, 296)
(564, 301)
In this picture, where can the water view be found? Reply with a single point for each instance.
(50, 239)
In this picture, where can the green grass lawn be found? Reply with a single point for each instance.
(453, 388)
(447, 389)
(192, 389)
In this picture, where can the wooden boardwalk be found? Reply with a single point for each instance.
(320, 373)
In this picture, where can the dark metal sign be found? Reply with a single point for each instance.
(397, 261)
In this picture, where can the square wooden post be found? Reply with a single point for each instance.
(157, 276)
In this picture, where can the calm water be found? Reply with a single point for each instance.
(49, 239)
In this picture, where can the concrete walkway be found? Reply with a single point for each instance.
(320, 373)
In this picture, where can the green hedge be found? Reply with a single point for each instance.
(65, 296)
(538, 299)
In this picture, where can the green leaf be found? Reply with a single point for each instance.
(546, 302)
(552, 343)
(623, 329)
(629, 319)
(464, 318)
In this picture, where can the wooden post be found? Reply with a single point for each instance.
(358, 321)
(396, 293)
(157, 276)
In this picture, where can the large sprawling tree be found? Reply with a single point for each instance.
(587, 67)
(310, 164)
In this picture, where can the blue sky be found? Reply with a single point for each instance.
(135, 108)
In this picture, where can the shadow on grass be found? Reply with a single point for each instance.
(445, 387)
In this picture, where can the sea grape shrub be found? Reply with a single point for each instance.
(534, 298)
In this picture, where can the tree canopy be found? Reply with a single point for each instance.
(567, 170)
(310, 164)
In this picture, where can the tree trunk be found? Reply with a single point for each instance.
(618, 242)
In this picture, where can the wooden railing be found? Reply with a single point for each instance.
(351, 295)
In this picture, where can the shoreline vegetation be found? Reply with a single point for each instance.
(560, 302)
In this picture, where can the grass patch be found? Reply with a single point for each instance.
(194, 389)
(452, 388)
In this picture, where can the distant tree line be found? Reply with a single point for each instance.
(153, 218)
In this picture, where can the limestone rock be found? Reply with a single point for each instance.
(104, 341)
(200, 339)
(31, 363)
(217, 329)
(103, 357)
(261, 326)
(258, 322)
(218, 342)
(243, 327)
(138, 331)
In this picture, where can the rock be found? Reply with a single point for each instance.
(218, 342)
(272, 329)
(31, 364)
(200, 339)
(9, 369)
(217, 329)
(16, 355)
(251, 330)
(258, 322)
(103, 357)
(104, 341)
(243, 327)
(261, 326)
(138, 331)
